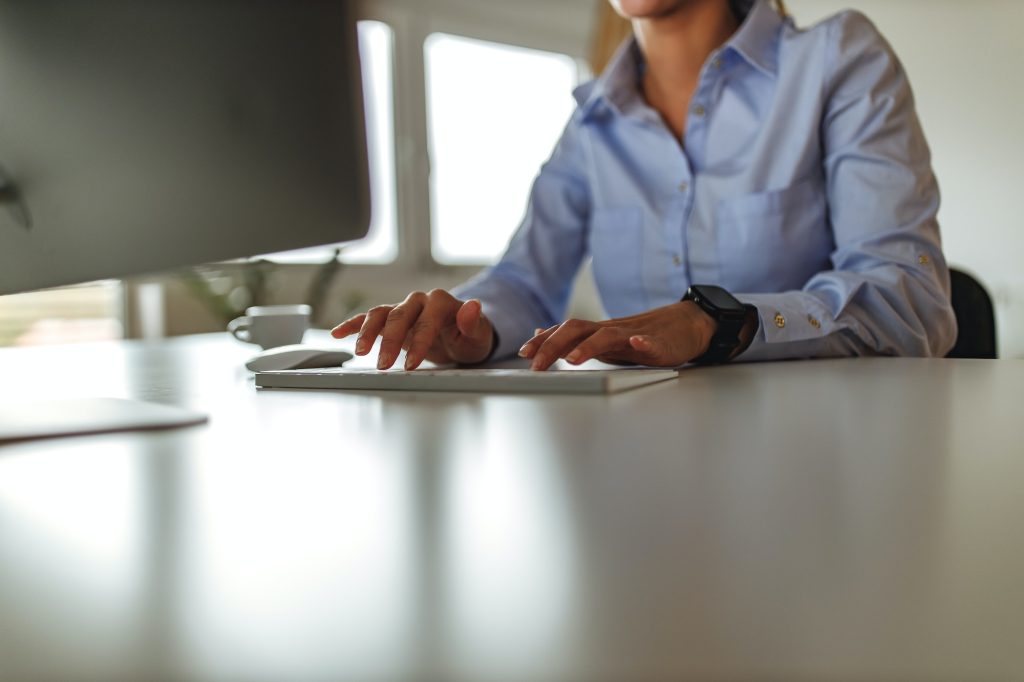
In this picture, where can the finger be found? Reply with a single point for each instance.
(373, 322)
(604, 340)
(473, 335)
(349, 326)
(437, 311)
(561, 341)
(539, 337)
(470, 320)
(399, 321)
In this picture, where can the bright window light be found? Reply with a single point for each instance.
(495, 113)
(376, 47)
(88, 312)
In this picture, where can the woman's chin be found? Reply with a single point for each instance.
(641, 9)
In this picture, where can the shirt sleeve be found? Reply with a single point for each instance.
(888, 291)
(531, 284)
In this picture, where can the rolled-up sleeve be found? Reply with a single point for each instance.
(888, 291)
(531, 284)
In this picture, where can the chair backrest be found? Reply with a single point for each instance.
(975, 316)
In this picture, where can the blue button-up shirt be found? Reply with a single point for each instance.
(803, 186)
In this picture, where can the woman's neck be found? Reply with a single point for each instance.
(675, 46)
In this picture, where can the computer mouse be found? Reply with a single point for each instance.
(297, 356)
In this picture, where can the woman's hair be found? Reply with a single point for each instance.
(612, 29)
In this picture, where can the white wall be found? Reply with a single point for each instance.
(964, 58)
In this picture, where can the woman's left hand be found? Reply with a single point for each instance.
(663, 337)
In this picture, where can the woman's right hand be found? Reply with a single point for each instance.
(433, 326)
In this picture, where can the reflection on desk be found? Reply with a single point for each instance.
(852, 519)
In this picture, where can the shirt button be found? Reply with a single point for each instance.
(677, 261)
(780, 320)
(923, 259)
(684, 186)
(699, 111)
(716, 62)
(813, 322)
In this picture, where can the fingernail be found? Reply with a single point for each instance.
(408, 363)
(524, 350)
(573, 356)
(383, 362)
(360, 346)
(538, 331)
(537, 362)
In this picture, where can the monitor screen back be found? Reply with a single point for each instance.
(141, 135)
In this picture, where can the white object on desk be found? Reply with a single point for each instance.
(272, 326)
(297, 356)
(468, 380)
(84, 416)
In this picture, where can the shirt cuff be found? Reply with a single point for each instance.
(793, 324)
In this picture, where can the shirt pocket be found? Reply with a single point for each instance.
(773, 241)
(616, 243)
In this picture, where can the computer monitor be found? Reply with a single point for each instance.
(142, 135)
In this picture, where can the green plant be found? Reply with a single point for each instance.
(226, 290)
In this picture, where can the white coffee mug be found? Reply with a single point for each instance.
(270, 326)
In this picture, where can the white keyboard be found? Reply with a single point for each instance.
(594, 381)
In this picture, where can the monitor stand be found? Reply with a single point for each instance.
(84, 416)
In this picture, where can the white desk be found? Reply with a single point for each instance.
(849, 520)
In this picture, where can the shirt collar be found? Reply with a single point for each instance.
(756, 41)
(617, 86)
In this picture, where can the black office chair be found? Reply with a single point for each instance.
(975, 317)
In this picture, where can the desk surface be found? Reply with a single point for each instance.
(855, 519)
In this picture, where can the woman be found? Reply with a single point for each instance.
(777, 177)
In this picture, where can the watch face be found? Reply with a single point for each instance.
(719, 298)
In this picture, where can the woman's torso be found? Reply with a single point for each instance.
(742, 203)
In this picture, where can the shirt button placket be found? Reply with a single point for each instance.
(699, 114)
(684, 189)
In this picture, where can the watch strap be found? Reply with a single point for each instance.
(724, 342)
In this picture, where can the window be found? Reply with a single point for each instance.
(376, 47)
(91, 312)
(495, 113)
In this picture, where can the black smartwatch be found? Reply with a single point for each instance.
(730, 315)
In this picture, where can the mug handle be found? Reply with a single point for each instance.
(239, 328)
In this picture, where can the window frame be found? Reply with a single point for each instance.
(525, 23)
